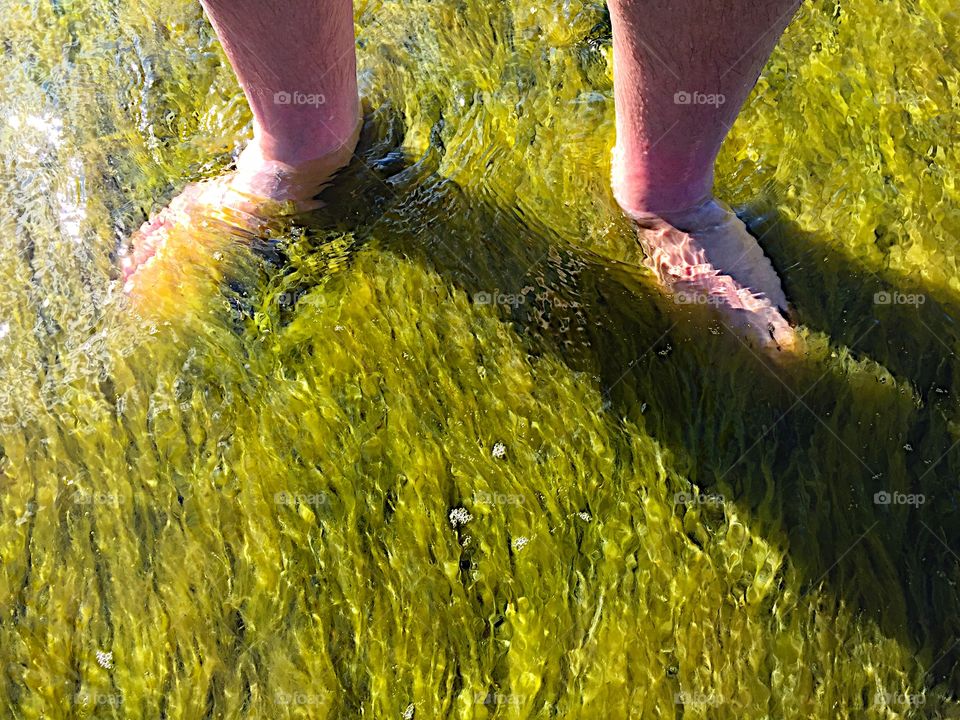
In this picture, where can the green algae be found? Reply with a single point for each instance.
(327, 480)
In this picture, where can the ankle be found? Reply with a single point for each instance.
(664, 203)
(646, 188)
(303, 148)
(264, 170)
(706, 218)
(301, 137)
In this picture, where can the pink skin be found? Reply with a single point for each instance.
(663, 160)
(668, 139)
(295, 50)
(294, 46)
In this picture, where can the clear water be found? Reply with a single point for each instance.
(321, 476)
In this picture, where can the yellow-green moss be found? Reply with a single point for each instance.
(324, 480)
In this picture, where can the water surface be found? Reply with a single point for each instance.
(441, 449)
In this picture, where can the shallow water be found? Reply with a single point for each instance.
(441, 449)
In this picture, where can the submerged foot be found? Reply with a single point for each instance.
(241, 203)
(706, 256)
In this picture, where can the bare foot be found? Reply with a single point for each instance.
(706, 256)
(238, 204)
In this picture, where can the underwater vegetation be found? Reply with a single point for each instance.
(441, 449)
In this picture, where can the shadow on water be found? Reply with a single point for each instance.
(803, 446)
